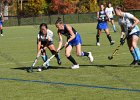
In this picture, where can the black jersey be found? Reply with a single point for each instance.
(0, 17)
(66, 33)
(102, 16)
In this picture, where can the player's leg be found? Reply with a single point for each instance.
(44, 56)
(70, 58)
(109, 36)
(98, 37)
(1, 29)
(131, 49)
(135, 39)
(53, 51)
(113, 24)
(82, 53)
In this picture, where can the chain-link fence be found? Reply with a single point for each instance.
(50, 19)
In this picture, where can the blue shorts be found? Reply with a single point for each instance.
(1, 23)
(77, 40)
(102, 25)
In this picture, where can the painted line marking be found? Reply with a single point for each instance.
(72, 84)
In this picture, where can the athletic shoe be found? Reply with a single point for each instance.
(75, 67)
(59, 61)
(47, 65)
(134, 62)
(97, 44)
(1, 34)
(90, 57)
(112, 42)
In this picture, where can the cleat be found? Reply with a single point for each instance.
(75, 67)
(112, 42)
(90, 57)
(97, 44)
(59, 62)
(134, 62)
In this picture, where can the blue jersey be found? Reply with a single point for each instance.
(77, 40)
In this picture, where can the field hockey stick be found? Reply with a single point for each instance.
(35, 61)
(44, 64)
(117, 49)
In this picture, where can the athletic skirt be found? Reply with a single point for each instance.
(136, 33)
(77, 40)
(1, 23)
(102, 25)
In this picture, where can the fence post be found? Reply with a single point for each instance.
(63, 18)
(78, 18)
(50, 19)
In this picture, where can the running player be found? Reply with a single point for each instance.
(73, 39)
(110, 11)
(1, 23)
(45, 40)
(102, 18)
(128, 24)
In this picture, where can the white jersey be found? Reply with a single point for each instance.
(49, 36)
(109, 11)
(127, 22)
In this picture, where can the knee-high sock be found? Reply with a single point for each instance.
(72, 60)
(97, 37)
(114, 27)
(137, 51)
(109, 38)
(1, 31)
(56, 54)
(134, 55)
(84, 54)
(44, 57)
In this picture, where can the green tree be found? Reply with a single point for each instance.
(36, 7)
(85, 6)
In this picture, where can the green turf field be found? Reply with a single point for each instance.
(101, 80)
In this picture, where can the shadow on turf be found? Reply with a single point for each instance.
(50, 67)
(88, 45)
(102, 66)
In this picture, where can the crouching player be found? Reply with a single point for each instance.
(128, 24)
(44, 41)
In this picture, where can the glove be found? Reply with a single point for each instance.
(122, 41)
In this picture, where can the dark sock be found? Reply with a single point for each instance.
(56, 54)
(109, 38)
(84, 54)
(1, 31)
(97, 37)
(72, 60)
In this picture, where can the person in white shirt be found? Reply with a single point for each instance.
(130, 30)
(44, 41)
(110, 11)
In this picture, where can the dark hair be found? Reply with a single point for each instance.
(43, 24)
(120, 7)
(107, 4)
(59, 21)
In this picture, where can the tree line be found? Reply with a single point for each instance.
(39, 7)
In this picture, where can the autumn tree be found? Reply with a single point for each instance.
(85, 6)
(62, 7)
